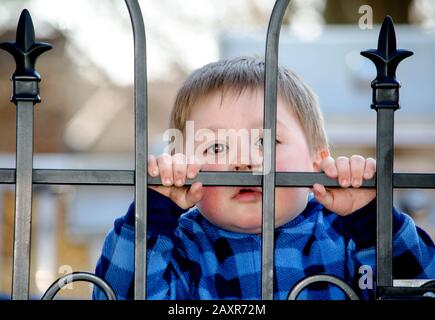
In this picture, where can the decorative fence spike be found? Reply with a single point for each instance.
(25, 52)
(386, 59)
(385, 101)
(25, 94)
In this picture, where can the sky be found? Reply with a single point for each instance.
(181, 36)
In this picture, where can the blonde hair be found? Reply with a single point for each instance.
(242, 73)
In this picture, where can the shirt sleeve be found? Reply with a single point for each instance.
(413, 249)
(167, 267)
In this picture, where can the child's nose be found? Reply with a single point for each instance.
(243, 167)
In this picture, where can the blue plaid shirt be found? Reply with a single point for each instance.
(190, 258)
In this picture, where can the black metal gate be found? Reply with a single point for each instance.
(385, 101)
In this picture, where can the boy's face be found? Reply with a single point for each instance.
(230, 207)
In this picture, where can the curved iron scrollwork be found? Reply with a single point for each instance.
(429, 285)
(78, 276)
(301, 285)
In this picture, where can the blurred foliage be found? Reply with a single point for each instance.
(346, 11)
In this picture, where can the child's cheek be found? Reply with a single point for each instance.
(211, 193)
(287, 162)
(211, 199)
(282, 165)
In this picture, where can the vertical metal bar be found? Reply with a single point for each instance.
(23, 201)
(25, 94)
(385, 101)
(384, 190)
(270, 96)
(140, 111)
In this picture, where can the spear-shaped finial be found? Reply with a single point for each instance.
(386, 59)
(25, 52)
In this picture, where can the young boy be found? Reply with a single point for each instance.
(205, 242)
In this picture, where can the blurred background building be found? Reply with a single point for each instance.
(85, 120)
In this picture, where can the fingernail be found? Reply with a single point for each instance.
(178, 182)
(167, 181)
(344, 183)
(154, 173)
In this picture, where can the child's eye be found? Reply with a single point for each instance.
(260, 142)
(216, 148)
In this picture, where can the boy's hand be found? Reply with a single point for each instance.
(173, 171)
(350, 172)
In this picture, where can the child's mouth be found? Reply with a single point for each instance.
(248, 194)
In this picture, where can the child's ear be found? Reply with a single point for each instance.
(319, 156)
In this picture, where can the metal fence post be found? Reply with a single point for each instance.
(141, 143)
(269, 183)
(25, 94)
(385, 101)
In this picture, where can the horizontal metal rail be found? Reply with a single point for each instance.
(209, 178)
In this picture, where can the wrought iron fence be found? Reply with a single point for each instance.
(385, 102)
